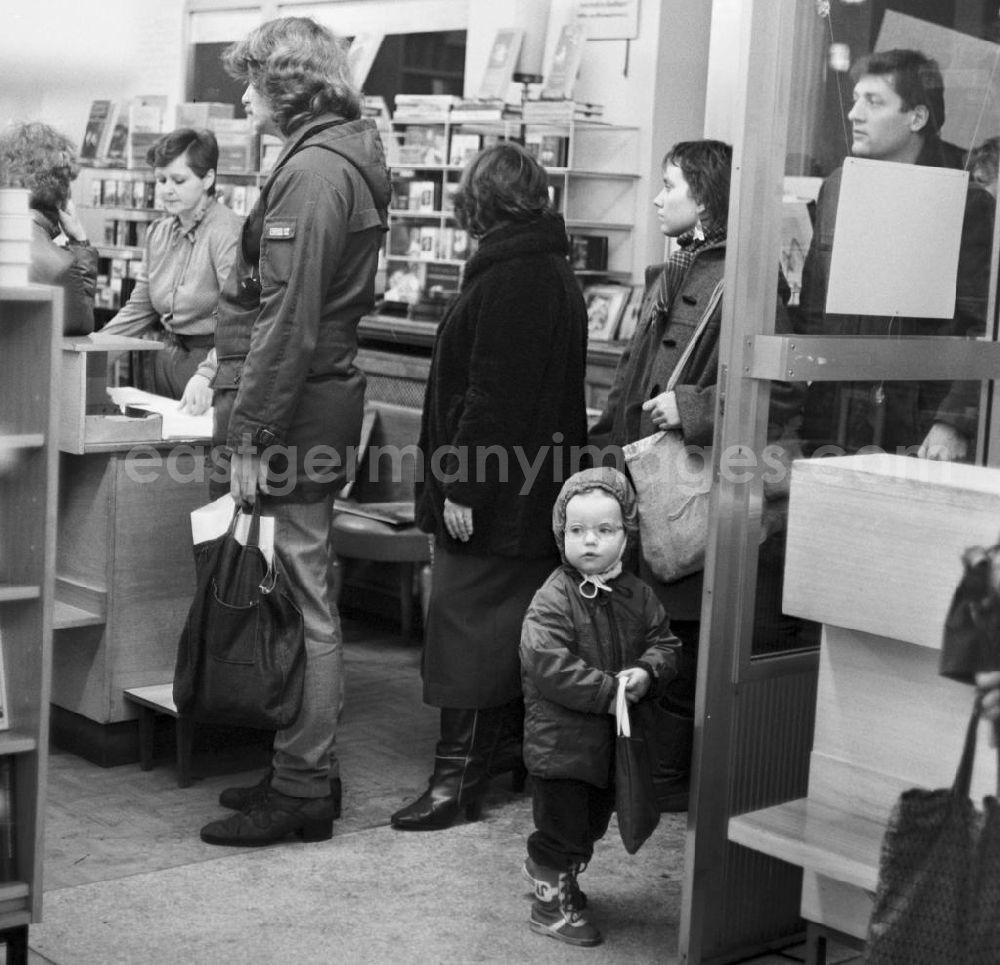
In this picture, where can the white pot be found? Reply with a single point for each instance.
(15, 236)
(15, 227)
(14, 201)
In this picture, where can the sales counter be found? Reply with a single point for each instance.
(124, 567)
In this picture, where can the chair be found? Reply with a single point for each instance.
(376, 521)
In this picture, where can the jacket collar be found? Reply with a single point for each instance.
(546, 234)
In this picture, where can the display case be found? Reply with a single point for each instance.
(592, 182)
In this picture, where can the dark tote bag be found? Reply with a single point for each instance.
(938, 895)
(971, 640)
(635, 795)
(241, 656)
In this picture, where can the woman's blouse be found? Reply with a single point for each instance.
(182, 274)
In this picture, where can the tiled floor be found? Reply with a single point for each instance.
(105, 825)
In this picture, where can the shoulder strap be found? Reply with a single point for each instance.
(713, 303)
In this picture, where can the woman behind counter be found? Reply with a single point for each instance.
(505, 392)
(45, 162)
(189, 254)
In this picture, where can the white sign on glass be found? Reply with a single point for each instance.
(895, 248)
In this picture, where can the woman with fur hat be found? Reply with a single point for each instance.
(591, 628)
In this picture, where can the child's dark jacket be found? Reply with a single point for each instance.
(571, 649)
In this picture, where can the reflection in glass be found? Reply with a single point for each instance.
(923, 89)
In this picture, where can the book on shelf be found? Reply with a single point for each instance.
(560, 78)
(139, 143)
(405, 284)
(201, 113)
(231, 125)
(377, 109)
(605, 307)
(630, 316)
(270, 148)
(500, 64)
(588, 252)
(416, 195)
(146, 113)
(8, 857)
(238, 153)
(404, 239)
(551, 150)
(116, 146)
(96, 132)
(561, 111)
(463, 148)
(442, 279)
(423, 144)
(481, 110)
(423, 106)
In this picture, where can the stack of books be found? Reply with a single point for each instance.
(561, 111)
(475, 109)
(424, 106)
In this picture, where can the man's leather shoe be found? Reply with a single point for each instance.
(241, 798)
(273, 818)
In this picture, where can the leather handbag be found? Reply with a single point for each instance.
(938, 896)
(673, 485)
(635, 795)
(241, 657)
(971, 639)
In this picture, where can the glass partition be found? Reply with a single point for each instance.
(887, 233)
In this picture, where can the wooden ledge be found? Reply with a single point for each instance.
(831, 842)
(78, 605)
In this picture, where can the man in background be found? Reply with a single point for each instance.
(897, 116)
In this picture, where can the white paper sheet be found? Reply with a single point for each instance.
(895, 249)
(213, 519)
(176, 424)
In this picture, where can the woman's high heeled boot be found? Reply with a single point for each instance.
(460, 777)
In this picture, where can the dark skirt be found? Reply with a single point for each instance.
(473, 628)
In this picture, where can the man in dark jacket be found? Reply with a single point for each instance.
(288, 397)
(897, 116)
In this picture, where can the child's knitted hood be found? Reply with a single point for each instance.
(611, 481)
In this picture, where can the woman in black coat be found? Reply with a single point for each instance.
(504, 409)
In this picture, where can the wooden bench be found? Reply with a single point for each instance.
(159, 699)
(874, 554)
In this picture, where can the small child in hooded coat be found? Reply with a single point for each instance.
(590, 627)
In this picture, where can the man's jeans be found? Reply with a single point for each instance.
(304, 755)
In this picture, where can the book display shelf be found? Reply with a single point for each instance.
(592, 181)
(30, 331)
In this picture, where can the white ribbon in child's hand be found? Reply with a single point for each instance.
(622, 726)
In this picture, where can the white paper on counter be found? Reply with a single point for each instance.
(895, 247)
(212, 520)
(176, 424)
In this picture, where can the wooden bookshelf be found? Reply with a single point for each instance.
(30, 333)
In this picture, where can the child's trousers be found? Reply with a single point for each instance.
(569, 817)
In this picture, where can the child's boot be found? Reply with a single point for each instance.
(545, 881)
(557, 910)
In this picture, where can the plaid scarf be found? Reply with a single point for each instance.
(679, 264)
